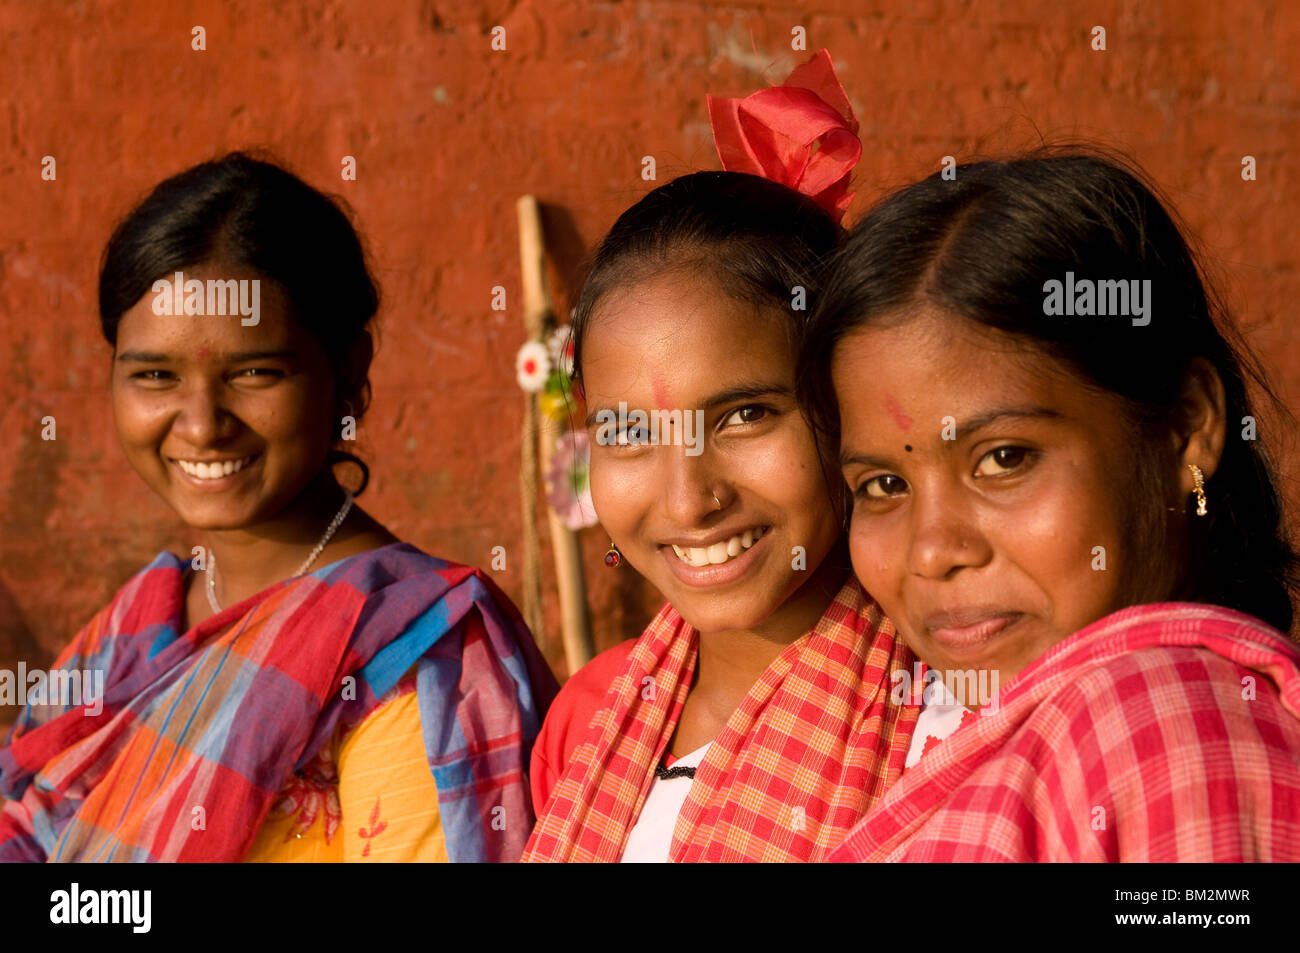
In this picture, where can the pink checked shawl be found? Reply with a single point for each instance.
(1166, 732)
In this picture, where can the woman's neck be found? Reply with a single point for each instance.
(252, 558)
(737, 657)
(731, 661)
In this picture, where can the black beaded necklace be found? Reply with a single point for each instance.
(670, 774)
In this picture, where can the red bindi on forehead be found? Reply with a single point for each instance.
(901, 420)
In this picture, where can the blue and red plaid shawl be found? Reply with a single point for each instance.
(220, 716)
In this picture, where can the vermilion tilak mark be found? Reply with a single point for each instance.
(660, 391)
(903, 421)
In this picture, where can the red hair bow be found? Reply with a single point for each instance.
(773, 132)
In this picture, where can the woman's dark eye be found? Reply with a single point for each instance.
(1000, 461)
(882, 487)
(632, 437)
(749, 414)
(256, 376)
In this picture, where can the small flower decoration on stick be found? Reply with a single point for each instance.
(556, 400)
(559, 347)
(568, 482)
(545, 368)
(533, 366)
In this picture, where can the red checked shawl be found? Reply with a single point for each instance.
(1161, 733)
(814, 744)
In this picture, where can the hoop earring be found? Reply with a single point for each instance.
(1199, 489)
(613, 558)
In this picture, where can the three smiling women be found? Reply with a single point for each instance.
(930, 468)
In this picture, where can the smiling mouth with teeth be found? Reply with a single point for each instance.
(720, 552)
(214, 470)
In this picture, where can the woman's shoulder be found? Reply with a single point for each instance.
(585, 690)
(570, 715)
(1141, 680)
(402, 574)
(163, 573)
(401, 592)
(1148, 638)
(1162, 683)
(147, 604)
(384, 565)
(1172, 737)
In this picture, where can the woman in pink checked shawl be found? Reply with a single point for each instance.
(1062, 499)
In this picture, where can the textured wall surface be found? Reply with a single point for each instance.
(447, 133)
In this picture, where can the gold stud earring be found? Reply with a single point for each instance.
(1199, 489)
(613, 558)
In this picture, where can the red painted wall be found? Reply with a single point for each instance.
(447, 133)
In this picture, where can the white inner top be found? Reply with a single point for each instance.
(937, 721)
(652, 835)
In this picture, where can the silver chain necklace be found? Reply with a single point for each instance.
(335, 523)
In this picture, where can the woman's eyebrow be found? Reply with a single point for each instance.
(964, 429)
(748, 390)
(241, 356)
(154, 357)
(981, 421)
(848, 458)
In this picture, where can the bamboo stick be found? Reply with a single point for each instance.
(539, 320)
